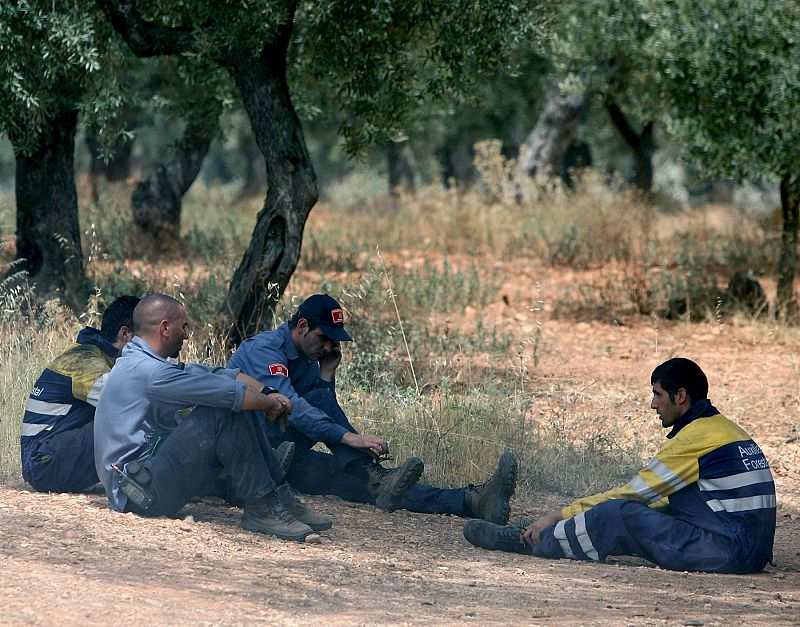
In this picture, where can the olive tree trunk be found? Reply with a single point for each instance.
(790, 202)
(642, 144)
(542, 155)
(156, 202)
(48, 231)
(274, 250)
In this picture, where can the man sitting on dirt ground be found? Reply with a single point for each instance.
(57, 441)
(164, 431)
(299, 359)
(711, 476)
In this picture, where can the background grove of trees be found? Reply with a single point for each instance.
(285, 98)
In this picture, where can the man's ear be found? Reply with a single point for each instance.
(681, 396)
(302, 326)
(125, 334)
(163, 327)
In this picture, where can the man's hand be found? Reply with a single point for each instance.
(532, 533)
(371, 444)
(276, 406)
(329, 362)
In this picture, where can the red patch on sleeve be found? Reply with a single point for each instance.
(278, 369)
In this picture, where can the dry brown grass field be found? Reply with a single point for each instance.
(532, 327)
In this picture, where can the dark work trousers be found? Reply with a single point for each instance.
(210, 439)
(622, 527)
(63, 462)
(315, 472)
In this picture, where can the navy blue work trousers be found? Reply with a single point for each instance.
(208, 442)
(315, 472)
(62, 462)
(622, 527)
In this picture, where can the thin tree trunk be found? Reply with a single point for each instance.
(157, 201)
(401, 164)
(642, 144)
(458, 169)
(271, 258)
(542, 154)
(48, 230)
(790, 202)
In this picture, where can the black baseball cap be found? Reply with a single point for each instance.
(327, 314)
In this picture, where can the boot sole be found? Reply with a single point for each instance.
(285, 454)
(412, 471)
(507, 471)
(258, 528)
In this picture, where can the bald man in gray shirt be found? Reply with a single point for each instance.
(163, 432)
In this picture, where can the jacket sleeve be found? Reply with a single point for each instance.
(261, 362)
(673, 468)
(197, 385)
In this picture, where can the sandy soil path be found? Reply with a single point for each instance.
(70, 560)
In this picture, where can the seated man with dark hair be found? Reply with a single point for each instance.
(710, 477)
(300, 359)
(57, 442)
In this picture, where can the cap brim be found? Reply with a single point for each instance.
(337, 334)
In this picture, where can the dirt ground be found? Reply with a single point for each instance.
(69, 559)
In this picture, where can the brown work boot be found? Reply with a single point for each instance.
(270, 516)
(298, 509)
(489, 501)
(388, 486)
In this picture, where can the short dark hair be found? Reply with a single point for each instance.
(679, 372)
(117, 315)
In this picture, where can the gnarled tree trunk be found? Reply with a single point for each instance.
(274, 250)
(790, 203)
(542, 155)
(48, 230)
(642, 144)
(156, 202)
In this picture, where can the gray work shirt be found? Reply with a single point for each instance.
(145, 398)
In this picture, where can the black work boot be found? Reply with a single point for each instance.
(489, 501)
(270, 516)
(495, 537)
(284, 454)
(298, 509)
(389, 485)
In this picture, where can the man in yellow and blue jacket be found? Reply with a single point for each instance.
(57, 437)
(706, 502)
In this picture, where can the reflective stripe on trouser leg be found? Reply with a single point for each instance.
(621, 527)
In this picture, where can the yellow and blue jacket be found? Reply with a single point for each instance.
(66, 393)
(712, 474)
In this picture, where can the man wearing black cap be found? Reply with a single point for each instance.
(299, 359)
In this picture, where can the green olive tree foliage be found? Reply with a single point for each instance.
(730, 71)
(52, 55)
(380, 58)
(595, 49)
